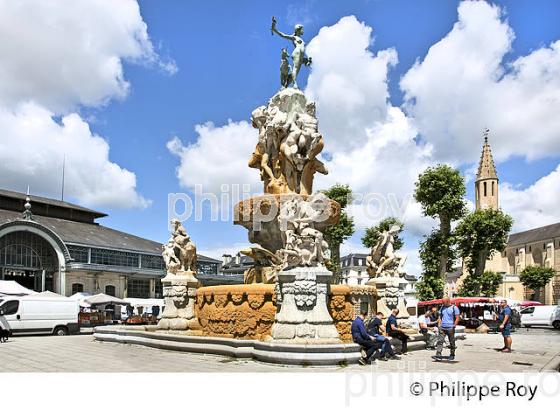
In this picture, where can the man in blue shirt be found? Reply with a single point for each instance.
(361, 337)
(449, 316)
(374, 328)
(505, 325)
(392, 330)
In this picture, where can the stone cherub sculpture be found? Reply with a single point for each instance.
(304, 245)
(288, 145)
(298, 55)
(266, 266)
(383, 261)
(179, 254)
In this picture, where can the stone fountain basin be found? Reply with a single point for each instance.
(270, 352)
(259, 214)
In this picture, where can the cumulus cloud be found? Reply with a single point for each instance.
(534, 206)
(65, 54)
(33, 148)
(465, 84)
(372, 143)
(218, 157)
(348, 82)
(56, 57)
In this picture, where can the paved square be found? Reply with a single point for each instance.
(533, 349)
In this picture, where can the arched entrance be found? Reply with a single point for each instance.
(28, 259)
(28, 248)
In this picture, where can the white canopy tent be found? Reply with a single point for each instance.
(103, 299)
(12, 288)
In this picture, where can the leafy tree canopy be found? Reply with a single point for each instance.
(483, 285)
(441, 190)
(340, 193)
(536, 277)
(429, 288)
(479, 234)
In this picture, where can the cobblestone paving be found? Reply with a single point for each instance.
(533, 349)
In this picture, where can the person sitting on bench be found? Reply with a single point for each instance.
(361, 337)
(424, 323)
(392, 330)
(375, 329)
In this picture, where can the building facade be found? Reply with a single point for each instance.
(46, 244)
(353, 269)
(539, 246)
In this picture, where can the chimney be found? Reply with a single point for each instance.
(238, 259)
(226, 259)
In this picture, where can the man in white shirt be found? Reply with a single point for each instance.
(423, 323)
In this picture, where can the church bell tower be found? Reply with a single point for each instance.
(486, 184)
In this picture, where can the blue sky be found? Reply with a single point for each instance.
(227, 64)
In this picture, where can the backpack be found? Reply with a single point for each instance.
(515, 318)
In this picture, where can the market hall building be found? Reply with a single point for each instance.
(46, 244)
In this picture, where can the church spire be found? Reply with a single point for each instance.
(486, 184)
(486, 167)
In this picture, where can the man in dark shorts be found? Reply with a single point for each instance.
(505, 325)
(375, 328)
(392, 329)
(361, 337)
(449, 316)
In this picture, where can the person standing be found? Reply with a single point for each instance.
(449, 316)
(505, 325)
(375, 328)
(392, 329)
(361, 337)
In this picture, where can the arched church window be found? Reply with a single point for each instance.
(485, 189)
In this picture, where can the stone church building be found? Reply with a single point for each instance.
(539, 246)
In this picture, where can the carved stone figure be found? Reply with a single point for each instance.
(285, 70)
(179, 254)
(383, 260)
(289, 142)
(298, 55)
(304, 245)
(266, 266)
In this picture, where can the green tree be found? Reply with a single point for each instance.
(336, 234)
(478, 235)
(429, 288)
(485, 284)
(440, 191)
(536, 277)
(371, 234)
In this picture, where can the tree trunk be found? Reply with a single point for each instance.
(335, 257)
(445, 229)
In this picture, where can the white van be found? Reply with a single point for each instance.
(541, 316)
(37, 314)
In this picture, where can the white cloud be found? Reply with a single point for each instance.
(348, 83)
(372, 143)
(534, 206)
(219, 156)
(32, 150)
(464, 84)
(56, 57)
(65, 54)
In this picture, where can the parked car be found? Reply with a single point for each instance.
(541, 316)
(38, 314)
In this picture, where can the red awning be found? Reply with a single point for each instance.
(457, 301)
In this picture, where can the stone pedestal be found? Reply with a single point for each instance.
(303, 316)
(179, 293)
(390, 293)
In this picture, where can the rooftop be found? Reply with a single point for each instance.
(535, 235)
(14, 201)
